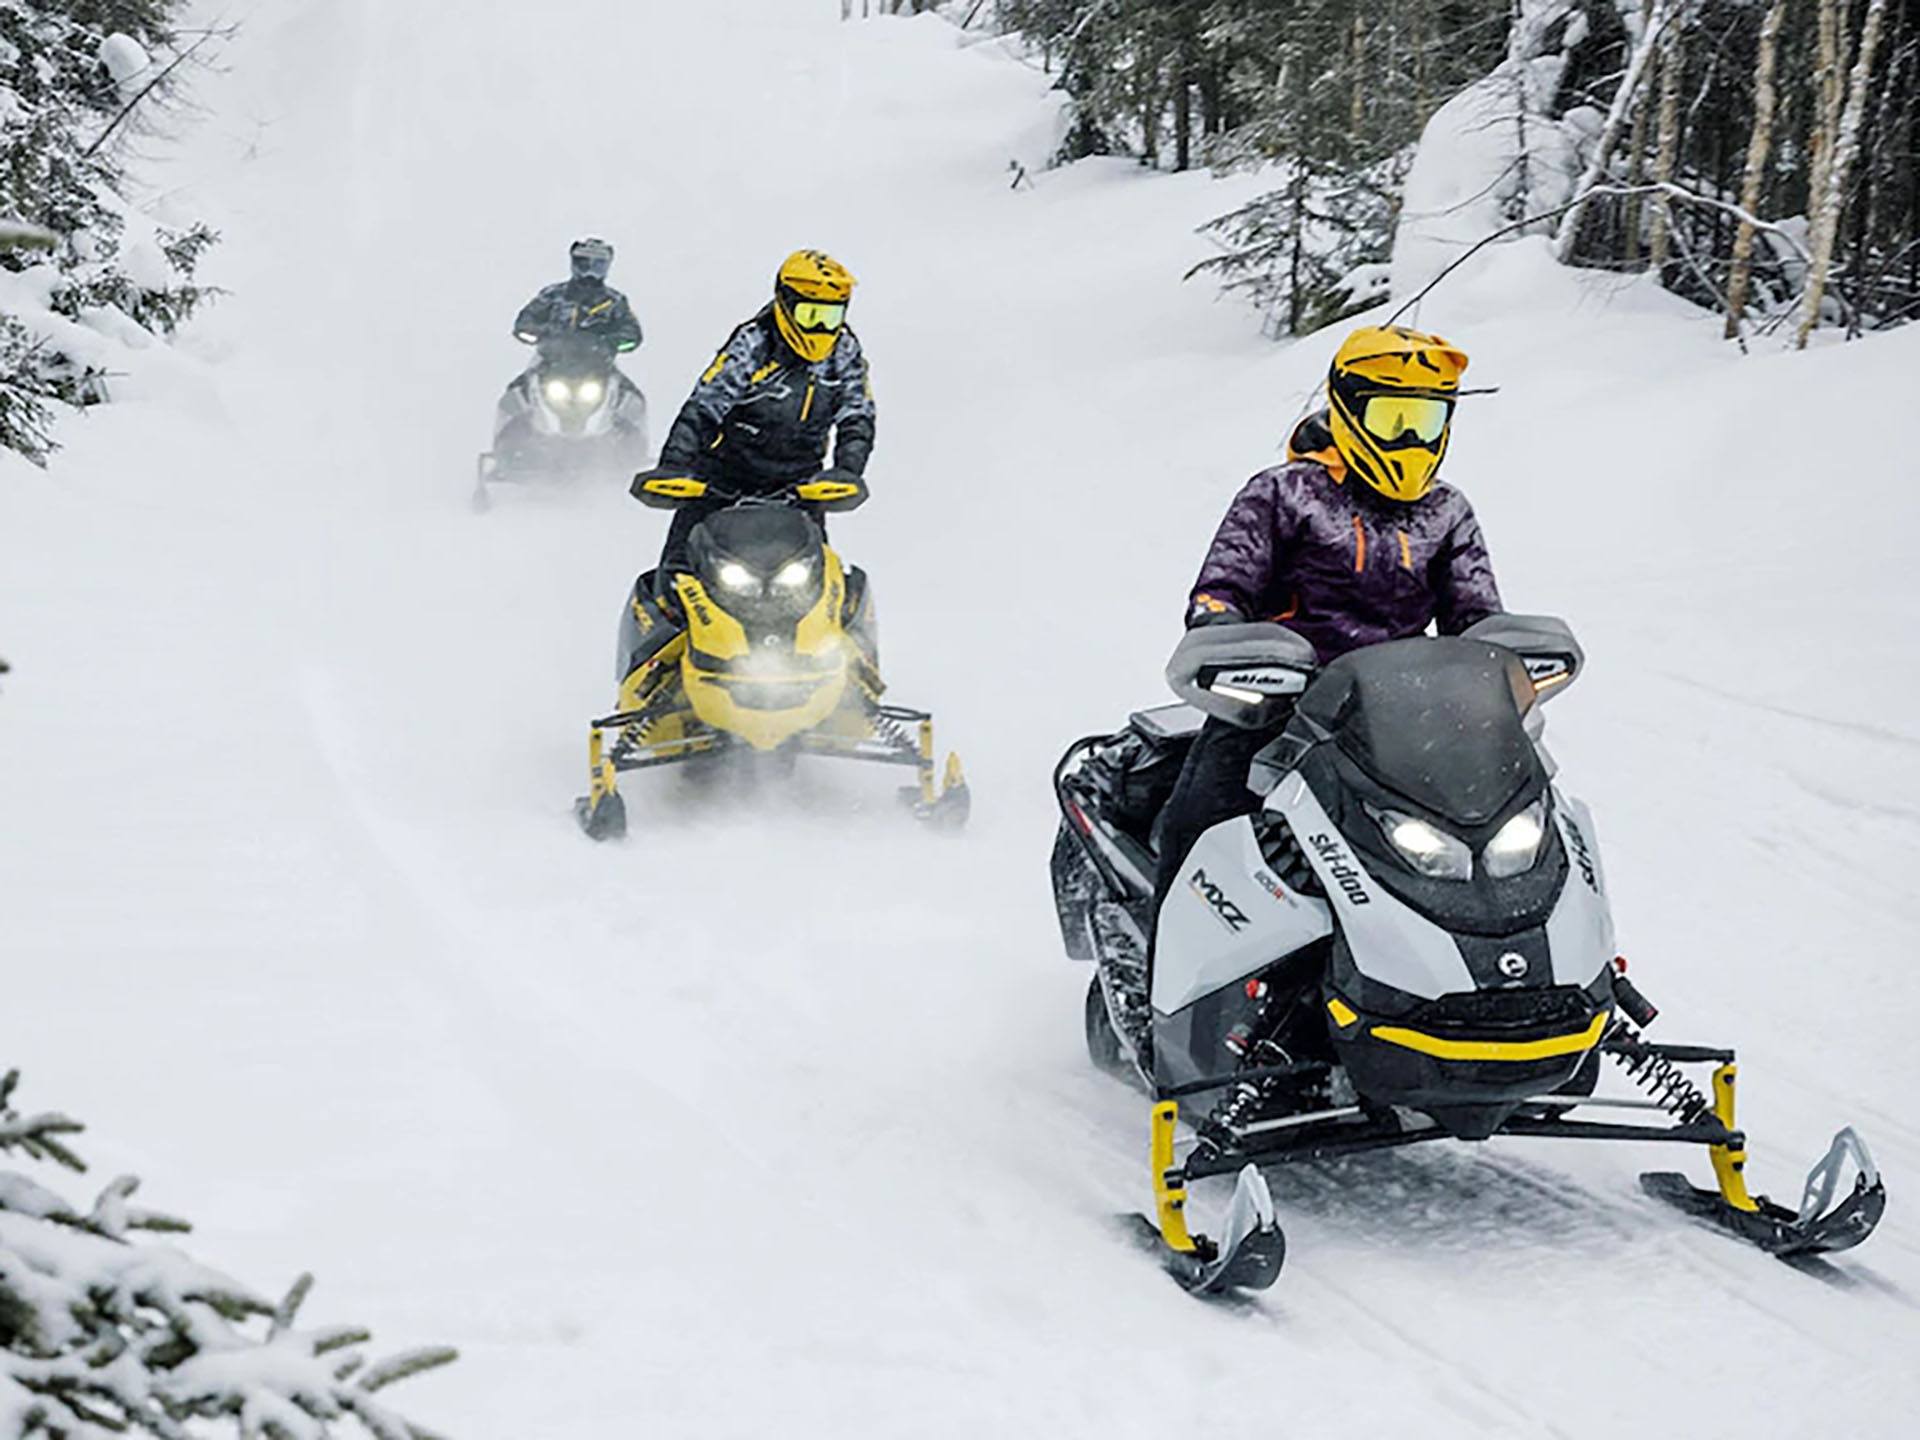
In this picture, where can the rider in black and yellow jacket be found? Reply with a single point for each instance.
(787, 382)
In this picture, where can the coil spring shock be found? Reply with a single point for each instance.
(1658, 1076)
(1253, 1042)
(887, 728)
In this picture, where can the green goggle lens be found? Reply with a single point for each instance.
(818, 315)
(1405, 419)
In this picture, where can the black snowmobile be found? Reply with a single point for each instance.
(572, 413)
(1410, 940)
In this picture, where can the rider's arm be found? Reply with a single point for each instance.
(717, 391)
(1238, 570)
(853, 424)
(623, 329)
(608, 320)
(534, 318)
(1464, 587)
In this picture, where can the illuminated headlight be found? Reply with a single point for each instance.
(1515, 847)
(732, 575)
(589, 392)
(793, 575)
(1429, 850)
(558, 393)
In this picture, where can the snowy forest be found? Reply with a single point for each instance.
(1759, 156)
(941, 719)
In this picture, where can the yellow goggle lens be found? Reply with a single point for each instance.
(818, 315)
(1405, 419)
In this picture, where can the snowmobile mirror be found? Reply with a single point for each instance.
(832, 494)
(1242, 674)
(1544, 643)
(664, 492)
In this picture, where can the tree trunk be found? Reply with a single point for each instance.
(1672, 68)
(1845, 147)
(1756, 170)
(1357, 111)
(1826, 104)
(1633, 206)
(1623, 99)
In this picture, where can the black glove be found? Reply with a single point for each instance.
(841, 475)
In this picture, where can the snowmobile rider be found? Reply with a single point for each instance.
(584, 305)
(1352, 542)
(760, 417)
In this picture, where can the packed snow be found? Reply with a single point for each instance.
(775, 1118)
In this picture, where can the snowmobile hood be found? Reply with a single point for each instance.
(1438, 721)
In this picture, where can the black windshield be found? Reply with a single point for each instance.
(1437, 721)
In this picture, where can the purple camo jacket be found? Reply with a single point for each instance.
(1341, 565)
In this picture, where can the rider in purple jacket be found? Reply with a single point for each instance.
(1351, 542)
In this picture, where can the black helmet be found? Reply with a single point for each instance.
(592, 258)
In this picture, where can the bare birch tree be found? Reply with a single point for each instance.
(1672, 69)
(1566, 236)
(1845, 147)
(1759, 146)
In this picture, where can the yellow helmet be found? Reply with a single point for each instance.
(810, 295)
(1390, 398)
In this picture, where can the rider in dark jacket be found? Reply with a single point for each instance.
(1353, 541)
(583, 305)
(788, 381)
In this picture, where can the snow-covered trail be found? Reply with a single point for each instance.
(775, 1119)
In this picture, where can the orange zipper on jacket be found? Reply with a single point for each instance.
(1359, 545)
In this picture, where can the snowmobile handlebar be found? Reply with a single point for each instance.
(1242, 674)
(1544, 643)
(668, 489)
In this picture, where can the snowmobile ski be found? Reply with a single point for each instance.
(1819, 1227)
(1252, 1248)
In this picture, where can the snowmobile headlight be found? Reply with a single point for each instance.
(1516, 845)
(589, 392)
(793, 575)
(1428, 849)
(732, 575)
(558, 393)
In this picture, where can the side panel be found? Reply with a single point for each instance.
(1391, 943)
(1227, 917)
(1580, 930)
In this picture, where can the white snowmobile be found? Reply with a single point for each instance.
(1410, 940)
(572, 413)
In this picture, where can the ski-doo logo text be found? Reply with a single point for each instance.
(1228, 913)
(1582, 856)
(1342, 871)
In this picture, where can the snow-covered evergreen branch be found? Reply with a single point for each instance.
(102, 1334)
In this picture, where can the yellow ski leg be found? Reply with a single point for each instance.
(927, 795)
(955, 776)
(1169, 1199)
(1729, 1162)
(600, 778)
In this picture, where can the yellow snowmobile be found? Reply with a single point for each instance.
(764, 646)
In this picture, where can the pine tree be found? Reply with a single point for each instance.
(104, 1331)
(72, 85)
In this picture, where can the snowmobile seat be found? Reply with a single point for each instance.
(1167, 724)
(1135, 770)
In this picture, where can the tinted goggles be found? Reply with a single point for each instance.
(818, 315)
(1396, 420)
